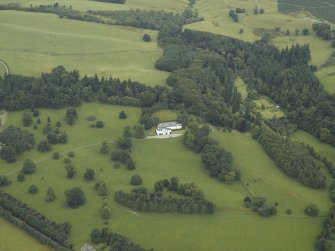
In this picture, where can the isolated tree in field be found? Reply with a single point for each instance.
(89, 174)
(38, 121)
(136, 180)
(146, 37)
(101, 187)
(27, 120)
(99, 124)
(29, 167)
(71, 115)
(36, 113)
(71, 154)
(104, 148)
(312, 210)
(241, 30)
(50, 195)
(20, 177)
(33, 189)
(122, 115)
(71, 171)
(75, 197)
(261, 11)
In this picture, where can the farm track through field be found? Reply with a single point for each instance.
(3, 120)
(48, 158)
(78, 54)
(5, 66)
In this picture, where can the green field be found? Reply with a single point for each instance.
(321, 9)
(267, 108)
(85, 5)
(32, 43)
(157, 159)
(327, 78)
(14, 239)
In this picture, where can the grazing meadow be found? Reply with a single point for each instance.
(43, 41)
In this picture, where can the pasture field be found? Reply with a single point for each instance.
(85, 5)
(12, 238)
(321, 9)
(158, 159)
(320, 147)
(241, 87)
(267, 108)
(254, 27)
(32, 43)
(326, 76)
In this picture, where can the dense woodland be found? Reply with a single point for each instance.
(37, 225)
(216, 160)
(293, 158)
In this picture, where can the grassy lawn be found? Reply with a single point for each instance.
(241, 87)
(165, 115)
(157, 159)
(32, 43)
(327, 78)
(12, 238)
(270, 110)
(322, 148)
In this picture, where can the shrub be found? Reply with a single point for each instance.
(56, 155)
(58, 124)
(33, 189)
(117, 165)
(122, 115)
(67, 161)
(136, 180)
(146, 37)
(36, 113)
(4, 181)
(20, 177)
(288, 211)
(71, 171)
(99, 124)
(305, 31)
(312, 210)
(35, 127)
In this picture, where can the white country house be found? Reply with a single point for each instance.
(167, 127)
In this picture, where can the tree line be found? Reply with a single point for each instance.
(37, 225)
(114, 241)
(217, 161)
(293, 158)
(141, 200)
